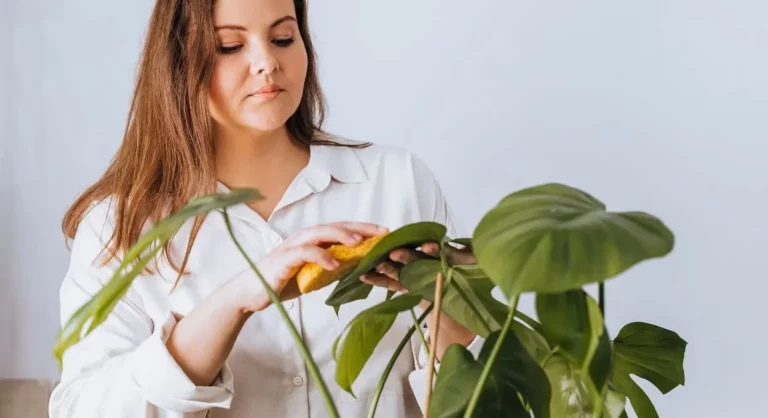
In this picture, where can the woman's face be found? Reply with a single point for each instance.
(260, 67)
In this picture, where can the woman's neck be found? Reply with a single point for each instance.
(260, 161)
(268, 163)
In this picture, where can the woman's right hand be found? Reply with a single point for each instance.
(305, 246)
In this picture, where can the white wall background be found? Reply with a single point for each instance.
(660, 106)
(5, 113)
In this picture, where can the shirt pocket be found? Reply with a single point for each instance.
(364, 386)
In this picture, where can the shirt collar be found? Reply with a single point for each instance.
(339, 163)
(326, 163)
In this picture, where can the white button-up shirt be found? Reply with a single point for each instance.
(123, 369)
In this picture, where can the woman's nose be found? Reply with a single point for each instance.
(263, 61)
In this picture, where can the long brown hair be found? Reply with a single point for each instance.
(167, 155)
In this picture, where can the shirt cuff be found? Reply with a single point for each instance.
(474, 347)
(163, 383)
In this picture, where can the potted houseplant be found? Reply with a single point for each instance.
(551, 240)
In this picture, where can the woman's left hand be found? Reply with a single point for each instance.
(387, 273)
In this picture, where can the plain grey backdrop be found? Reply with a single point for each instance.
(660, 106)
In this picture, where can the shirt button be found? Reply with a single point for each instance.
(289, 305)
(298, 381)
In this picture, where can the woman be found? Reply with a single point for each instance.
(227, 96)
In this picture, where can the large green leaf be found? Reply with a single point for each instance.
(467, 300)
(365, 332)
(475, 293)
(459, 373)
(96, 310)
(515, 370)
(641, 403)
(515, 376)
(350, 288)
(571, 322)
(419, 278)
(552, 238)
(614, 404)
(571, 396)
(652, 353)
(393, 358)
(534, 342)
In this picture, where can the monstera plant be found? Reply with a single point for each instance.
(551, 240)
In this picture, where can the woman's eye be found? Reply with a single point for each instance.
(283, 42)
(229, 49)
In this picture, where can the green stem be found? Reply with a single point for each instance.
(549, 355)
(417, 323)
(303, 350)
(601, 298)
(492, 358)
(444, 255)
(599, 407)
(393, 359)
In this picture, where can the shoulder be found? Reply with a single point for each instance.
(98, 222)
(404, 175)
(380, 163)
(89, 245)
(378, 158)
(88, 249)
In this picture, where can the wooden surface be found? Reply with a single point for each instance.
(24, 398)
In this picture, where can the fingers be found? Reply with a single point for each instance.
(381, 280)
(347, 233)
(297, 256)
(460, 256)
(326, 234)
(389, 269)
(363, 228)
(405, 255)
(431, 249)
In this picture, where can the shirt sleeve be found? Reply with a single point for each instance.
(122, 368)
(434, 207)
(431, 201)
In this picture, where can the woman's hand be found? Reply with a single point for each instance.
(305, 246)
(388, 272)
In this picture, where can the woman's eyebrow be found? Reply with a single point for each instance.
(243, 28)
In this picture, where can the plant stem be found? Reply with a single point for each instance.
(303, 350)
(417, 323)
(601, 297)
(433, 340)
(549, 355)
(492, 358)
(599, 407)
(393, 359)
(444, 254)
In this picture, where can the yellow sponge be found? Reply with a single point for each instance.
(311, 276)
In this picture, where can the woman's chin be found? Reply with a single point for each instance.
(263, 123)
